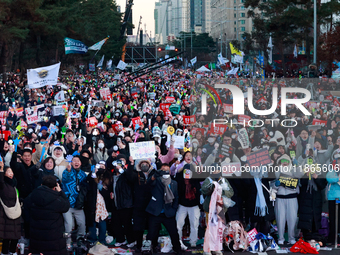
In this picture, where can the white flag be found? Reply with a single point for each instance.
(98, 45)
(42, 76)
(60, 96)
(121, 65)
(233, 71)
(221, 59)
(295, 52)
(270, 51)
(193, 61)
(100, 64)
(109, 64)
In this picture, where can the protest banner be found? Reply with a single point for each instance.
(179, 141)
(142, 150)
(319, 122)
(19, 112)
(258, 158)
(288, 182)
(58, 110)
(187, 120)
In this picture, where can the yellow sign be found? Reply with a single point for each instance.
(170, 130)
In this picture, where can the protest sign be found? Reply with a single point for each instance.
(258, 158)
(136, 121)
(19, 112)
(226, 151)
(175, 108)
(251, 235)
(152, 95)
(98, 103)
(163, 107)
(58, 110)
(92, 121)
(288, 182)
(218, 129)
(105, 94)
(242, 118)
(194, 131)
(3, 115)
(228, 108)
(142, 150)
(179, 141)
(243, 138)
(170, 99)
(187, 120)
(185, 102)
(35, 113)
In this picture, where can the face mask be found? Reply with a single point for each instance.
(121, 170)
(111, 134)
(233, 136)
(175, 122)
(144, 168)
(210, 140)
(166, 176)
(49, 104)
(84, 161)
(101, 145)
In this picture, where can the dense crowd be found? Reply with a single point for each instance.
(66, 161)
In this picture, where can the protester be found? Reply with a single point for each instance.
(46, 206)
(10, 227)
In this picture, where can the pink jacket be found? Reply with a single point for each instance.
(213, 239)
(169, 156)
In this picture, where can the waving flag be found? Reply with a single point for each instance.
(99, 45)
(234, 50)
(270, 51)
(295, 52)
(100, 64)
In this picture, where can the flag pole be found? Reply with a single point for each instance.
(94, 55)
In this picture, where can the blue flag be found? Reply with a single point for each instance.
(74, 46)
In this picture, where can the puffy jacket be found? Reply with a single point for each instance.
(333, 189)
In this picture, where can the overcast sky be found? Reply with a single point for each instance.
(142, 8)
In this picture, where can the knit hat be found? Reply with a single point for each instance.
(56, 145)
(284, 156)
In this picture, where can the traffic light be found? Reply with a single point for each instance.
(176, 49)
(159, 49)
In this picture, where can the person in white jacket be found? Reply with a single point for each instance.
(58, 151)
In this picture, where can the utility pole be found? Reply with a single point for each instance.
(315, 34)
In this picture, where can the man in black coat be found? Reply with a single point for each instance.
(163, 206)
(46, 206)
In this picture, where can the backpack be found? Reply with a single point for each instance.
(234, 232)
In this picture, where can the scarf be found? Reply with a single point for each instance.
(189, 191)
(168, 195)
(12, 182)
(58, 161)
(261, 208)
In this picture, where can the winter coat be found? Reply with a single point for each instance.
(157, 204)
(195, 185)
(333, 189)
(299, 147)
(60, 167)
(123, 192)
(9, 229)
(90, 204)
(169, 156)
(69, 184)
(310, 204)
(39, 174)
(23, 174)
(99, 155)
(46, 208)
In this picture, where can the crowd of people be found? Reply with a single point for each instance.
(66, 162)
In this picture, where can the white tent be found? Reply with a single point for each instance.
(202, 69)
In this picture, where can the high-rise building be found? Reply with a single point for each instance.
(229, 20)
(161, 14)
(196, 15)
